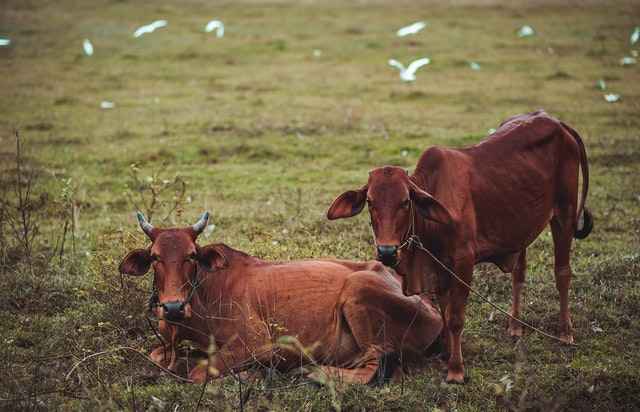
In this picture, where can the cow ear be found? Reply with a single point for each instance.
(136, 263)
(348, 204)
(212, 257)
(428, 207)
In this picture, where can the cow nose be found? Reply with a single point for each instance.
(388, 254)
(173, 311)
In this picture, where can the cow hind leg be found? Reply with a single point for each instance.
(562, 231)
(384, 324)
(373, 367)
(517, 284)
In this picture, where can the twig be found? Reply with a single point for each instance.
(204, 385)
(133, 397)
(126, 348)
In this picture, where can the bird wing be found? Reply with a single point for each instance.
(411, 29)
(157, 24)
(212, 25)
(215, 25)
(396, 64)
(416, 64)
(142, 30)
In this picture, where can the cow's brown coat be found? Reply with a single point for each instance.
(350, 313)
(485, 203)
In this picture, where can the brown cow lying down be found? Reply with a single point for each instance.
(352, 314)
(485, 203)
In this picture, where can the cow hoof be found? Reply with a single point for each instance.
(389, 363)
(567, 338)
(158, 357)
(515, 330)
(198, 374)
(455, 377)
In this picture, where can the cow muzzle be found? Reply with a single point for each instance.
(176, 310)
(388, 255)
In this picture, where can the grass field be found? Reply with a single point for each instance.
(265, 126)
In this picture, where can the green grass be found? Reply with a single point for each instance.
(266, 135)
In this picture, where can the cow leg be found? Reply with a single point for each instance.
(365, 372)
(443, 301)
(562, 231)
(161, 355)
(517, 284)
(229, 359)
(383, 323)
(455, 322)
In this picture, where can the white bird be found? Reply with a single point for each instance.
(635, 36)
(408, 74)
(4, 41)
(149, 28)
(88, 47)
(627, 61)
(216, 25)
(411, 29)
(526, 31)
(474, 65)
(612, 98)
(105, 104)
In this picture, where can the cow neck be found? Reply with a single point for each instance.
(431, 232)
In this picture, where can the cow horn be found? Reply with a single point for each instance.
(144, 225)
(199, 226)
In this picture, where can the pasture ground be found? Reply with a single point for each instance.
(265, 133)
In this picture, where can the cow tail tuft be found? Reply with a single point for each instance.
(585, 224)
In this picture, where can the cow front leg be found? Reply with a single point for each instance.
(455, 323)
(517, 284)
(443, 302)
(229, 359)
(161, 355)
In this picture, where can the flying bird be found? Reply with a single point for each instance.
(4, 41)
(149, 28)
(411, 29)
(88, 47)
(216, 25)
(408, 74)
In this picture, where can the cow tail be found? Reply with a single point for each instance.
(584, 224)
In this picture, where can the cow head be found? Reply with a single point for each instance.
(393, 198)
(174, 256)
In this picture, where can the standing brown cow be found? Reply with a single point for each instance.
(485, 203)
(351, 314)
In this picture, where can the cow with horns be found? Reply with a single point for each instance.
(485, 203)
(347, 317)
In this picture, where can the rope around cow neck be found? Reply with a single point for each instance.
(414, 240)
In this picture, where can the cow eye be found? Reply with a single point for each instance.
(405, 204)
(192, 256)
(370, 204)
